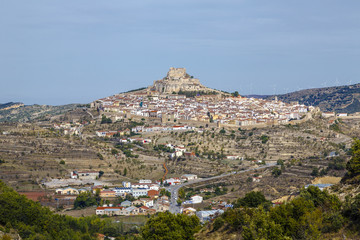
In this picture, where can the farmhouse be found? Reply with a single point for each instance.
(188, 177)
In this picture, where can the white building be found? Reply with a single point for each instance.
(145, 181)
(196, 199)
(173, 181)
(154, 186)
(147, 202)
(100, 134)
(137, 192)
(140, 185)
(328, 114)
(233, 157)
(122, 191)
(88, 174)
(188, 177)
(110, 211)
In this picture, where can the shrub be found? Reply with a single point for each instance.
(276, 172)
(100, 156)
(218, 223)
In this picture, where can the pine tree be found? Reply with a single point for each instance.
(353, 166)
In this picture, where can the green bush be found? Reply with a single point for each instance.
(32, 221)
(170, 226)
(218, 223)
(264, 139)
(276, 172)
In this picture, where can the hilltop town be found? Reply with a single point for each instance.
(167, 100)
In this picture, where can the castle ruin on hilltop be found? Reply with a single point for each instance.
(178, 80)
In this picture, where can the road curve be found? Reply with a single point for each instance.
(174, 208)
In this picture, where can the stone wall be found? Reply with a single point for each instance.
(176, 73)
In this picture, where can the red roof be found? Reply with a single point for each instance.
(33, 195)
(153, 193)
(102, 208)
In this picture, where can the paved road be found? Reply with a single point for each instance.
(174, 208)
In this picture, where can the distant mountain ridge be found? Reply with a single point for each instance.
(345, 99)
(25, 113)
(10, 105)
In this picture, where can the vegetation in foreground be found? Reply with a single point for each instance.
(32, 221)
(314, 214)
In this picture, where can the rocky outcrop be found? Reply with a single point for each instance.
(178, 80)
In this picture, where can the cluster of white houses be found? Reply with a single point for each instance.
(239, 111)
(69, 128)
(145, 191)
(140, 206)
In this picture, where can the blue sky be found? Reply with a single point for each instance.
(58, 52)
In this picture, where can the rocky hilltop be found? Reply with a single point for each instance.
(178, 80)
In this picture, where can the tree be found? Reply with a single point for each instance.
(164, 192)
(252, 199)
(104, 119)
(125, 171)
(315, 172)
(276, 172)
(181, 193)
(235, 94)
(33, 221)
(170, 226)
(264, 139)
(218, 223)
(85, 199)
(353, 166)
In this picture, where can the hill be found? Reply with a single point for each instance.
(343, 99)
(8, 112)
(180, 82)
(10, 105)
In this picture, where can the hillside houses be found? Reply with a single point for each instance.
(172, 181)
(237, 111)
(188, 177)
(125, 211)
(69, 128)
(112, 133)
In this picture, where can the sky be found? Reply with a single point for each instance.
(59, 52)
